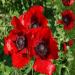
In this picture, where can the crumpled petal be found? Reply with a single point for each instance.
(44, 67)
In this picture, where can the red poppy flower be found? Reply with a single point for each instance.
(34, 18)
(16, 45)
(43, 38)
(33, 9)
(67, 19)
(70, 42)
(44, 47)
(45, 67)
(67, 2)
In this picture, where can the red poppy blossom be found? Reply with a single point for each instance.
(44, 47)
(68, 18)
(43, 38)
(33, 9)
(16, 45)
(34, 18)
(45, 67)
(67, 2)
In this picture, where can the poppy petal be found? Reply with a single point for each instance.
(67, 2)
(44, 66)
(9, 46)
(19, 60)
(16, 23)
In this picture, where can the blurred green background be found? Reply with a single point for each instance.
(10, 8)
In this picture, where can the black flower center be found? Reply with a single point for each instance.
(34, 25)
(66, 20)
(21, 42)
(42, 49)
(34, 22)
